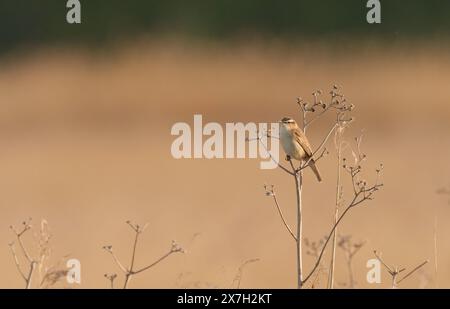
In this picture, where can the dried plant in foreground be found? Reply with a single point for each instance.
(313, 249)
(340, 144)
(362, 192)
(131, 271)
(395, 271)
(111, 278)
(350, 248)
(48, 275)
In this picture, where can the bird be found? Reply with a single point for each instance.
(296, 145)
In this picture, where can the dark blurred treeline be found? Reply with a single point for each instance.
(25, 22)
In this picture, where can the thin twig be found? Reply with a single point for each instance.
(133, 256)
(355, 202)
(413, 271)
(116, 260)
(32, 263)
(299, 238)
(390, 270)
(271, 192)
(30, 274)
(362, 192)
(16, 261)
(130, 272)
(111, 278)
(325, 244)
(26, 227)
(275, 161)
(324, 141)
(155, 263)
(395, 271)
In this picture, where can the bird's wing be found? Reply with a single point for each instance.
(301, 139)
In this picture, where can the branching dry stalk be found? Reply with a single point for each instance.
(270, 191)
(362, 192)
(350, 249)
(313, 249)
(339, 147)
(359, 158)
(38, 272)
(111, 278)
(27, 276)
(131, 270)
(395, 271)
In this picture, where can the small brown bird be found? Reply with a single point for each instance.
(296, 145)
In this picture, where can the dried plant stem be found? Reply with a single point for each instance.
(156, 262)
(361, 196)
(350, 249)
(298, 176)
(16, 262)
(321, 146)
(350, 273)
(413, 271)
(32, 263)
(353, 204)
(130, 272)
(299, 187)
(271, 192)
(111, 278)
(396, 271)
(336, 215)
(128, 276)
(394, 278)
(30, 274)
(361, 191)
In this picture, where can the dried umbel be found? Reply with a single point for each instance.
(363, 190)
(38, 265)
(350, 249)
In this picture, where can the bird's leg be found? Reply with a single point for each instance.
(300, 167)
(289, 159)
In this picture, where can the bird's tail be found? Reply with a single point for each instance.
(312, 165)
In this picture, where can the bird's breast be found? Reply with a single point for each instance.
(290, 147)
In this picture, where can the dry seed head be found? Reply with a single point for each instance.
(176, 247)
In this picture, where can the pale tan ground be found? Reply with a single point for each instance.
(85, 143)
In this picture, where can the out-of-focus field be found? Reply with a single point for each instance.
(85, 143)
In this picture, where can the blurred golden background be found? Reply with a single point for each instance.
(85, 144)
